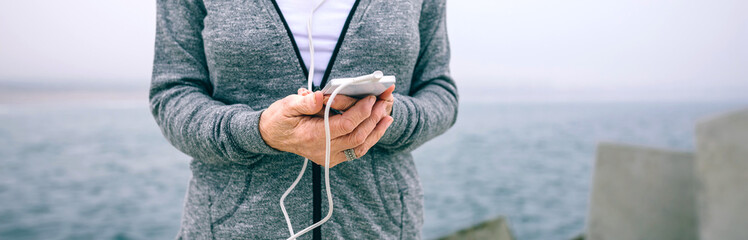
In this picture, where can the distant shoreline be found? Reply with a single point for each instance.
(34, 92)
(43, 96)
(70, 96)
(39, 92)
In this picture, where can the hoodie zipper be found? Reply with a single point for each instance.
(317, 169)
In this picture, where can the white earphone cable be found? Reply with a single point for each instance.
(376, 75)
(310, 80)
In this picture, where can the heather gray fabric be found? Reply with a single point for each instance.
(218, 64)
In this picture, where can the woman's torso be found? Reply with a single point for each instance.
(252, 60)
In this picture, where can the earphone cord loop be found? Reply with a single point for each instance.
(327, 160)
(310, 81)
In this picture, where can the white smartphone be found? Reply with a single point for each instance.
(362, 89)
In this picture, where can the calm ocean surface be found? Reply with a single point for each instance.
(104, 171)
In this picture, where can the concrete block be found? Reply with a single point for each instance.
(642, 193)
(722, 169)
(495, 229)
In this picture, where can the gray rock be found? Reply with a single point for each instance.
(495, 229)
(722, 168)
(642, 193)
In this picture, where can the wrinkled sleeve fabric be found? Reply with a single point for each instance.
(180, 95)
(430, 108)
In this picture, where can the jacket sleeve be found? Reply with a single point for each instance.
(180, 94)
(431, 105)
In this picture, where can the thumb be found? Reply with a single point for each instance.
(306, 105)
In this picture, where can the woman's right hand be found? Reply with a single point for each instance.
(290, 125)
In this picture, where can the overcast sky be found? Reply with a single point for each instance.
(537, 50)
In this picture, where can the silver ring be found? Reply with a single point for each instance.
(350, 154)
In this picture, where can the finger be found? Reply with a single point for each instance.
(341, 102)
(359, 135)
(387, 94)
(345, 123)
(303, 105)
(389, 98)
(303, 91)
(374, 137)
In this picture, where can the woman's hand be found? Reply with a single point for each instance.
(289, 125)
(343, 103)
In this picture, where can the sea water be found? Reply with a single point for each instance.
(104, 171)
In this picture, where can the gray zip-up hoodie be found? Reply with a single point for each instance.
(218, 64)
